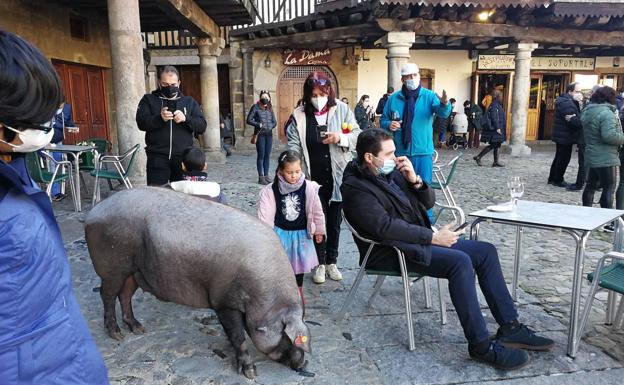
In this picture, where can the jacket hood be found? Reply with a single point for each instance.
(597, 107)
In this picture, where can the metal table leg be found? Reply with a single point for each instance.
(77, 177)
(516, 266)
(474, 229)
(574, 335)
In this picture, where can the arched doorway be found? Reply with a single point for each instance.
(290, 90)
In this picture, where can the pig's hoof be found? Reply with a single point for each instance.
(136, 328)
(116, 336)
(249, 371)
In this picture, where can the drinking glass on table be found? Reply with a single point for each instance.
(516, 190)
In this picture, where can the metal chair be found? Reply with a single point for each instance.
(442, 182)
(42, 176)
(381, 275)
(118, 173)
(87, 159)
(606, 277)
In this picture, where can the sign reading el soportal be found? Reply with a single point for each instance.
(306, 57)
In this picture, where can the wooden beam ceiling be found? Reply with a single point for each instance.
(189, 15)
(491, 31)
(314, 38)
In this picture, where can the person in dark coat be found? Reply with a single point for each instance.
(567, 131)
(382, 102)
(62, 119)
(44, 338)
(495, 134)
(262, 118)
(474, 113)
(363, 112)
(169, 120)
(384, 200)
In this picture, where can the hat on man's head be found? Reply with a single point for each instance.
(409, 69)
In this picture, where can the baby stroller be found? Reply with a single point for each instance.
(459, 135)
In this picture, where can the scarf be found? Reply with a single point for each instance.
(287, 188)
(408, 113)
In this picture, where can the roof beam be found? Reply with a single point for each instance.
(306, 39)
(579, 37)
(190, 16)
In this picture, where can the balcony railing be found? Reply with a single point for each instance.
(174, 39)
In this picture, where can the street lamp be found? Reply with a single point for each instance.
(267, 62)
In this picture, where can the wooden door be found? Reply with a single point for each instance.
(83, 87)
(534, 107)
(289, 91)
(190, 82)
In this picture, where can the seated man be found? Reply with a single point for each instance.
(385, 200)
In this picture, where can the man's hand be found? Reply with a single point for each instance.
(443, 98)
(445, 237)
(568, 117)
(318, 238)
(499, 131)
(406, 168)
(395, 125)
(165, 114)
(179, 117)
(331, 138)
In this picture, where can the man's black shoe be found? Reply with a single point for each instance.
(574, 187)
(59, 197)
(519, 336)
(560, 184)
(501, 357)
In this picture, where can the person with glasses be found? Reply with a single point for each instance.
(324, 132)
(44, 338)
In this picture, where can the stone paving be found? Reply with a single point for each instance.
(184, 346)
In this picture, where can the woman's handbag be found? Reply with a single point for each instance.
(254, 139)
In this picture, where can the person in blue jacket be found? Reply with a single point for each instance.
(62, 119)
(44, 338)
(408, 115)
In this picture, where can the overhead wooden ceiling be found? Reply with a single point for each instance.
(345, 25)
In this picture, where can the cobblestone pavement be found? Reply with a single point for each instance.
(185, 346)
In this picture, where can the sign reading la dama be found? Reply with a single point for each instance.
(506, 62)
(306, 57)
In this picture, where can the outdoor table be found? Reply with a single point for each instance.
(577, 221)
(74, 151)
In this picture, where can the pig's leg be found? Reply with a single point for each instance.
(233, 323)
(111, 286)
(125, 298)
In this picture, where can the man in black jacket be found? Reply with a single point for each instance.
(169, 120)
(383, 100)
(567, 131)
(385, 200)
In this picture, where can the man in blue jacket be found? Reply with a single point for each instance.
(44, 338)
(408, 115)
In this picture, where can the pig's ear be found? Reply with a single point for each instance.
(298, 333)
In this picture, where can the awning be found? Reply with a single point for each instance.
(595, 9)
(482, 3)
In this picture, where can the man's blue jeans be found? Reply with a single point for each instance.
(458, 264)
(56, 187)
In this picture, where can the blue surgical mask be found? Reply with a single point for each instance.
(388, 166)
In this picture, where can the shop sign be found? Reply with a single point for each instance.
(306, 57)
(507, 62)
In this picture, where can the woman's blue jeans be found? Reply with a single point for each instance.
(263, 147)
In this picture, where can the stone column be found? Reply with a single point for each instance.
(236, 90)
(152, 81)
(209, 49)
(398, 45)
(520, 99)
(128, 78)
(248, 84)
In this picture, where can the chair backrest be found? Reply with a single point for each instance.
(102, 145)
(130, 153)
(355, 233)
(453, 165)
(33, 163)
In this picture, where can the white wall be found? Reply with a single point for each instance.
(453, 71)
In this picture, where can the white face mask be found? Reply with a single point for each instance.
(413, 83)
(319, 102)
(58, 111)
(578, 96)
(366, 103)
(32, 140)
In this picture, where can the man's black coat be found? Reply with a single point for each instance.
(378, 212)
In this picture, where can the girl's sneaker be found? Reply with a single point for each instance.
(319, 274)
(333, 272)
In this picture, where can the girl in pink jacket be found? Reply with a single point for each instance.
(291, 205)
